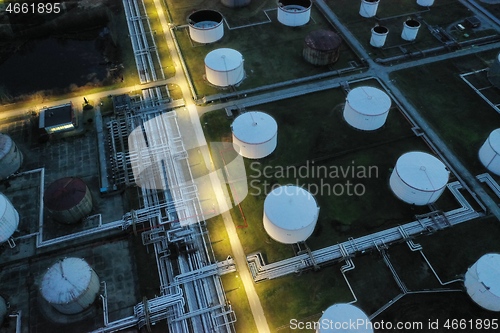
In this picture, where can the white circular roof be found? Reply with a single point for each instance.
(3, 204)
(488, 272)
(254, 127)
(345, 313)
(223, 59)
(5, 144)
(494, 140)
(422, 171)
(66, 280)
(291, 207)
(369, 101)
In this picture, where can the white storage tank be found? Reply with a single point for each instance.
(379, 35)
(482, 282)
(206, 26)
(11, 157)
(368, 8)
(410, 30)
(366, 108)
(70, 285)
(343, 314)
(425, 3)
(494, 72)
(235, 3)
(290, 214)
(294, 13)
(419, 178)
(9, 219)
(224, 67)
(489, 153)
(255, 134)
(68, 200)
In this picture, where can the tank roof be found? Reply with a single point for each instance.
(345, 313)
(64, 193)
(488, 272)
(494, 140)
(291, 207)
(223, 59)
(369, 100)
(254, 127)
(66, 280)
(323, 40)
(205, 15)
(5, 144)
(422, 171)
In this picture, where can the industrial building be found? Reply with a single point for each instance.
(58, 118)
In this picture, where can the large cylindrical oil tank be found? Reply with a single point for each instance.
(294, 13)
(338, 318)
(366, 108)
(70, 285)
(482, 282)
(368, 8)
(3, 310)
(224, 67)
(489, 153)
(290, 214)
(322, 47)
(379, 35)
(425, 3)
(410, 30)
(11, 157)
(236, 3)
(68, 200)
(255, 134)
(9, 219)
(418, 178)
(206, 26)
(494, 72)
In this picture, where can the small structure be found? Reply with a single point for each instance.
(255, 134)
(322, 47)
(489, 153)
(294, 13)
(494, 72)
(418, 178)
(58, 118)
(68, 200)
(236, 3)
(425, 3)
(342, 314)
(366, 108)
(368, 8)
(290, 214)
(472, 22)
(482, 282)
(70, 286)
(224, 67)
(11, 157)
(410, 30)
(379, 35)
(9, 219)
(206, 26)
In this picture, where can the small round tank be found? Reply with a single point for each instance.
(255, 134)
(294, 13)
(224, 67)
(322, 47)
(482, 282)
(337, 318)
(489, 153)
(410, 30)
(290, 214)
(368, 8)
(11, 157)
(425, 3)
(206, 26)
(367, 108)
(418, 178)
(235, 3)
(379, 35)
(68, 200)
(9, 219)
(70, 285)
